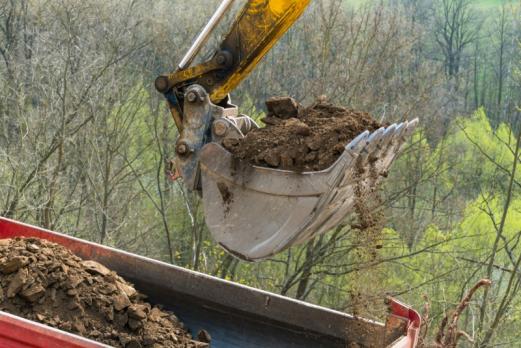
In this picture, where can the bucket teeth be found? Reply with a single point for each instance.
(359, 142)
(257, 212)
(411, 126)
(388, 135)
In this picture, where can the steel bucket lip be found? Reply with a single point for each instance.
(245, 175)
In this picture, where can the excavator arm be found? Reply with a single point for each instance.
(255, 212)
(259, 25)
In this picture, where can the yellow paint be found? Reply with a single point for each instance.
(278, 7)
(261, 23)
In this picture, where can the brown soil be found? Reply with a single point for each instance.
(45, 282)
(311, 139)
(301, 139)
(364, 300)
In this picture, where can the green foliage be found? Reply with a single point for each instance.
(248, 107)
(447, 260)
(488, 4)
(481, 153)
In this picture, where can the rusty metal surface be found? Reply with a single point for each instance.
(235, 315)
(412, 325)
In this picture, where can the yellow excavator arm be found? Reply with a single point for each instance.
(258, 26)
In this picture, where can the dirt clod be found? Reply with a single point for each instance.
(301, 139)
(45, 282)
(283, 107)
(13, 265)
(95, 267)
(204, 336)
(226, 195)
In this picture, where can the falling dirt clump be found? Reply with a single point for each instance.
(300, 139)
(45, 282)
(226, 195)
(366, 298)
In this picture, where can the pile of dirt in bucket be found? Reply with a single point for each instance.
(45, 282)
(301, 139)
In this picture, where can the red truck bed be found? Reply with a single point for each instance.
(235, 315)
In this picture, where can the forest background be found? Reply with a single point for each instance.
(85, 144)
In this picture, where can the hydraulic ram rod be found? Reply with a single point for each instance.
(205, 34)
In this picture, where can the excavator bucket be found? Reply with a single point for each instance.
(255, 212)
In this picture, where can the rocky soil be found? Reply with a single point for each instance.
(301, 139)
(45, 282)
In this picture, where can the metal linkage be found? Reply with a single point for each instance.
(202, 38)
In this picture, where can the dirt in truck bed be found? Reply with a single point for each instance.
(45, 282)
(301, 139)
